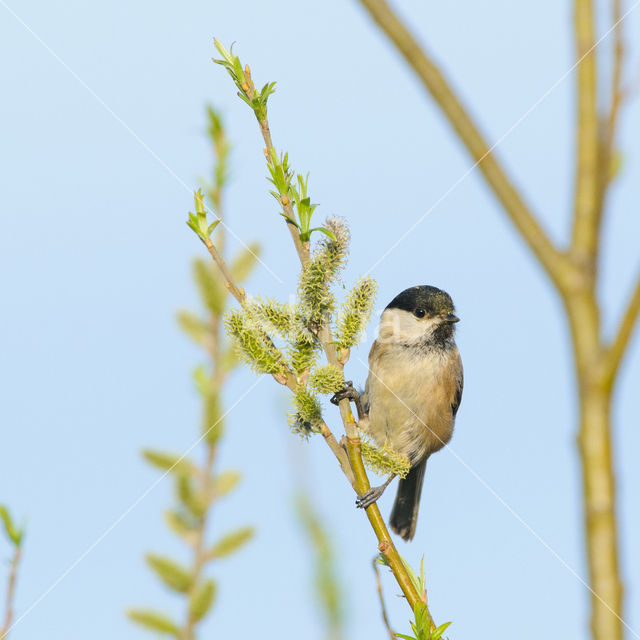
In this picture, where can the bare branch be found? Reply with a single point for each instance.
(618, 347)
(468, 132)
(618, 92)
(609, 121)
(236, 291)
(11, 592)
(585, 221)
(385, 617)
(339, 452)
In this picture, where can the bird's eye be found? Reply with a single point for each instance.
(419, 313)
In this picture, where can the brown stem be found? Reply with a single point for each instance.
(199, 551)
(11, 592)
(585, 221)
(301, 248)
(339, 453)
(619, 345)
(385, 543)
(237, 292)
(599, 513)
(383, 607)
(609, 124)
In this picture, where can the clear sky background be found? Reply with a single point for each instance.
(102, 121)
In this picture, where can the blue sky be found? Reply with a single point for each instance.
(102, 127)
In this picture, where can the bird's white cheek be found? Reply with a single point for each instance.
(397, 325)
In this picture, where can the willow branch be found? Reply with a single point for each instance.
(585, 221)
(383, 608)
(236, 291)
(618, 347)
(11, 592)
(617, 91)
(199, 551)
(361, 484)
(339, 452)
(609, 124)
(385, 543)
(358, 475)
(302, 248)
(468, 132)
(288, 379)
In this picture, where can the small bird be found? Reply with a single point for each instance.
(412, 393)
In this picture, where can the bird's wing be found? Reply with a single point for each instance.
(457, 395)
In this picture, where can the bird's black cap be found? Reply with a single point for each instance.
(433, 300)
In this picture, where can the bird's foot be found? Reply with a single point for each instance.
(371, 496)
(348, 392)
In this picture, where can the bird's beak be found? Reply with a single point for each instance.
(451, 317)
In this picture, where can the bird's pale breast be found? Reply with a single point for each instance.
(410, 398)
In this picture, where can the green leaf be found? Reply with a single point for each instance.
(222, 51)
(225, 482)
(244, 262)
(173, 462)
(414, 579)
(289, 219)
(182, 525)
(171, 573)
(202, 599)
(15, 535)
(229, 359)
(154, 620)
(189, 498)
(231, 542)
(436, 634)
(211, 285)
(212, 226)
(198, 330)
(323, 230)
(194, 224)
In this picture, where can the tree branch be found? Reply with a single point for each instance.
(585, 221)
(360, 481)
(339, 452)
(468, 132)
(302, 248)
(237, 292)
(11, 592)
(609, 121)
(383, 607)
(618, 347)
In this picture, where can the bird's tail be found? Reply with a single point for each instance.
(404, 515)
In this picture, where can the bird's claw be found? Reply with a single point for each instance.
(369, 497)
(348, 391)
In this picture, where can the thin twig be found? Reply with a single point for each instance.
(302, 249)
(339, 452)
(618, 347)
(199, 551)
(11, 592)
(585, 222)
(237, 292)
(618, 94)
(383, 607)
(360, 481)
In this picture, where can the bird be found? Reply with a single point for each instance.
(412, 393)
